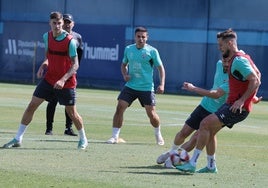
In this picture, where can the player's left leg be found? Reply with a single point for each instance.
(78, 122)
(67, 98)
(155, 122)
(211, 158)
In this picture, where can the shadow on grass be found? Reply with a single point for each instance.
(40, 148)
(164, 171)
(175, 173)
(70, 139)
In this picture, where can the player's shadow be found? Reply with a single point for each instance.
(41, 146)
(163, 171)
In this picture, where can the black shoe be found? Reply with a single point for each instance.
(69, 132)
(48, 132)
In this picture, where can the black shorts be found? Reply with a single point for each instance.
(145, 97)
(228, 118)
(196, 117)
(66, 96)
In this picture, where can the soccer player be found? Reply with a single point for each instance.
(211, 101)
(51, 106)
(59, 80)
(244, 81)
(137, 69)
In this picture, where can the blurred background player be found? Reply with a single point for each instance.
(51, 106)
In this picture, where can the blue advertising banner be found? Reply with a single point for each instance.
(24, 51)
(102, 56)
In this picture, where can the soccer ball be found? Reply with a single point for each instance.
(180, 157)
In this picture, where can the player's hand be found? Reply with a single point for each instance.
(256, 99)
(59, 84)
(126, 77)
(42, 69)
(40, 72)
(160, 89)
(237, 106)
(188, 86)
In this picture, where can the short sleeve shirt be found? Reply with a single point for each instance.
(243, 65)
(141, 63)
(220, 81)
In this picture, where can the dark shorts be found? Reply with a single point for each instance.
(228, 118)
(196, 117)
(145, 97)
(66, 96)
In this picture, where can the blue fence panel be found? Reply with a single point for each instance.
(184, 31)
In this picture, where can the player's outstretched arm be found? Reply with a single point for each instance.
(215, 93)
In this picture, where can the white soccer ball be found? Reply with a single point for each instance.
(179, 157)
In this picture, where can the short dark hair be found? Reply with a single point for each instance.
(227, 34)
(55, 15)
(140, 29)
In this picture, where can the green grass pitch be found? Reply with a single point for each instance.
(54, 161)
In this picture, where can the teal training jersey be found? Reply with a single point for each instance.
(220, 81)
(72, 46)
(141, 64)
(243, 65)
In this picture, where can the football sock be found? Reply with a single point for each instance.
(157, 131)
(20, 133)
(116, 132)
(195, 156)
(174, 147)
(211, 161)
(82, 134)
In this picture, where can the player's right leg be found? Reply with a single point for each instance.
(124, 100)
(26, 119)
(118, 121)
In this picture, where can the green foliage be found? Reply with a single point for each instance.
(54, 161)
